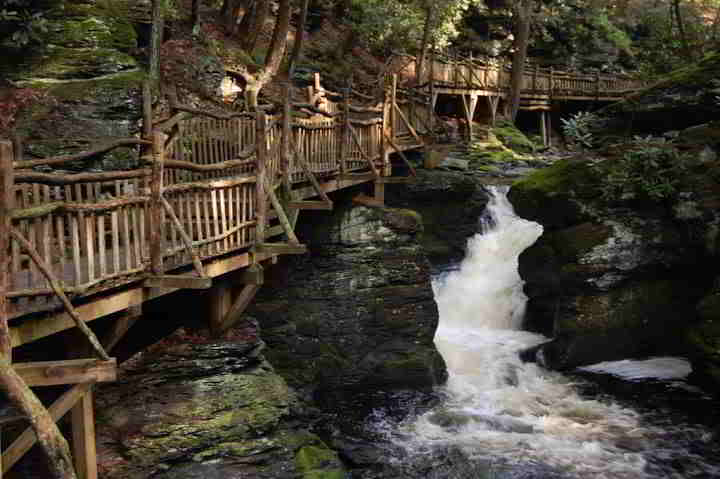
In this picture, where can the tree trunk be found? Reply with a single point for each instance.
(681, 29)
(276, 51)
(425, 42)
(257, 22)
(342, 7)
(49, 436)
(299, 35)
(522, 14)
(156, 39)
(195, 16)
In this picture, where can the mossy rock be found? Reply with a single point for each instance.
(319, 462)
(548, 195)
(513, 138)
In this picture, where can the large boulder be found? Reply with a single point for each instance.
(357, 314)
(192, 408)
(610, 280)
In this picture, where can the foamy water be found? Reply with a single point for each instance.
(497, 407)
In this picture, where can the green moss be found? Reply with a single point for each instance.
(318, 462)
(513, 138)
(561, 177)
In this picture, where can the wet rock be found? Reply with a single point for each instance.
(608, 281)
(357, 313)
(452, 163)
(705, 339)
(450, 204)
(201, 408)
(87, 82)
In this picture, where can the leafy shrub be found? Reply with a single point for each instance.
(20, 23)
(579, 127)
(650, 169)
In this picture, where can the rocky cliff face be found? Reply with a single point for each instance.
(357, 313)
(616, 277)
(84, 75)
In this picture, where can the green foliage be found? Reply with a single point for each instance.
(578, 129)
(21, 23)
(397, 25)
(650, 169)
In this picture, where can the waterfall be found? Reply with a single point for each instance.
(497, 408)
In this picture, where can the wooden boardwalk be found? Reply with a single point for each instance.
(211, 194)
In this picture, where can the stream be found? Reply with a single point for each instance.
(501, 418)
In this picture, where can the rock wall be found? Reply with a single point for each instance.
(610, 280)
(86, 78)
(357, 313)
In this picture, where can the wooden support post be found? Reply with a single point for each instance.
(83, 432)
(379, 193)
(534, 78)
(433, 96)
(7, 202)
(235, 311)
(120, 327)
(543, 128)
(157, 216)
(220, 301)
(344, 126)
(597, 86)
(551, 87)
(261, 158)
(393, 105)
(286, 132)
(548, 126)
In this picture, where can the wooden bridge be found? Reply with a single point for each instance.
(211, 194)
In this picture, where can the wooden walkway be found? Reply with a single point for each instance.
(211, 194)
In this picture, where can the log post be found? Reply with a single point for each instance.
(83, 433)
(597, 86)
(344, 128)
(157, 217)
(534, 79)
(7, 199)
(261, 159)
(393, 105)
(286, 132)
(432, 94)
(551, 86)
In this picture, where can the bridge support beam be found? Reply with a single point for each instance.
(231, 296)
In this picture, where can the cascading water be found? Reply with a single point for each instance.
(496, 408)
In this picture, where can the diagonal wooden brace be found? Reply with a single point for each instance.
(57, 287)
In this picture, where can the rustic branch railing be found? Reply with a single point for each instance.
(194, 195)
(494, 76)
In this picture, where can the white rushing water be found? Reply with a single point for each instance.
(497, 407)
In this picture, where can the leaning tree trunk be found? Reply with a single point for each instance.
(299, 35)
(681, 29)
(276, 52)
(48, 435)
(522, 12)
(262, 9)
(156, 39)
(425, 42)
